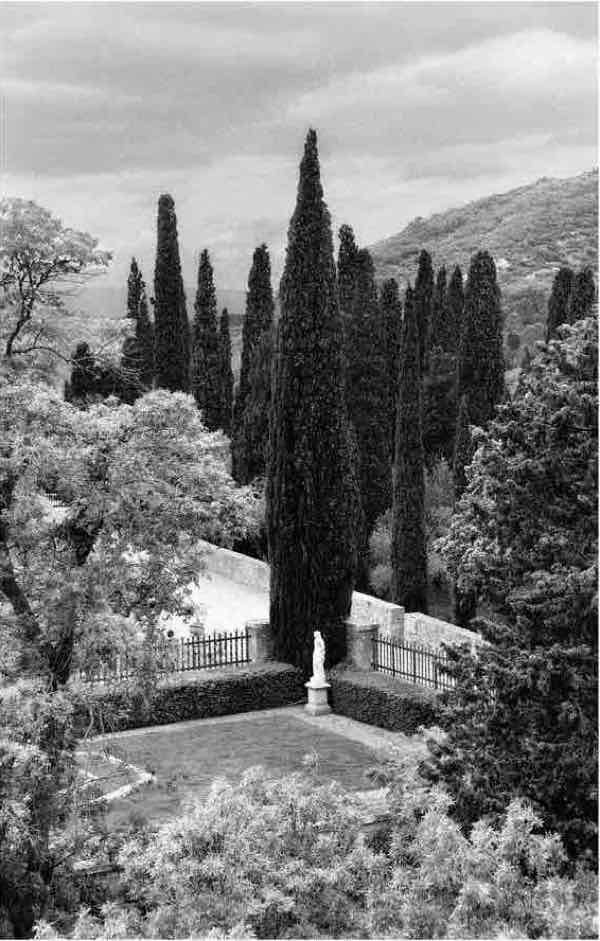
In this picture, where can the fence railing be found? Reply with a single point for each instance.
(413, 662)
(178, 656)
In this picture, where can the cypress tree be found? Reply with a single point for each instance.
(439, 382)
(582, 297)
(391, 314)
(409, 559)
(558, 301)
(84, 374)
(423, 297)
(455, 303)
(206, 375)
(367, 396)
(258, 317)
(171, 339)
(137, 361)
(480, 358)
(225, 372)
(248, 442)
(309, 493)
(346, 262)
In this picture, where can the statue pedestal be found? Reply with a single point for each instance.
(317, 704)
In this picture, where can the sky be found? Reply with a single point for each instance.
(419, 107)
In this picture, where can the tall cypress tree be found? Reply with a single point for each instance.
(206, 375)
(439, 383)
(423, 297)
(409, 557)
(367, 395)
(480, 358)
(582, 297)
(137, 360)
(258, 317)
(558, 301)
(248, 443)
(171, 331)
(225, 373)
(455, 304)
(309, 492)
(391, 314)
(346, 269)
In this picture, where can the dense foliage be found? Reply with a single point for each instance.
(310, 519)
(582, 296)
(558, 302)
(136, 488)
(286, 858)
(206, 366)
(409, 559)
(391, 315)
(524, 542)
(137, 361)
(253, 394)
(480, 356)
(171, 326)
(367, 396)
(423, 300)
(225, 374)
(40, 260)
(346, 261)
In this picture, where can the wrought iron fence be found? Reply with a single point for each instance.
(177, 656)
(413, 662)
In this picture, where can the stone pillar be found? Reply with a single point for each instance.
(359, 639)
(260, 641)
(395, 624)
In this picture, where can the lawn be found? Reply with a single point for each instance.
(186, 759)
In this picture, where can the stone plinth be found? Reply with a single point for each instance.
(359, 640)
(317, 704)
(260, 641)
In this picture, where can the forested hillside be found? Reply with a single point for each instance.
(530, 231)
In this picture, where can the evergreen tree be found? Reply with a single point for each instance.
(206, 375)
(248, 442)
(439, 381)
(391, 314)
(559, 301)
(226, 373)
(258, 317)
(309, 492)
(423, 298)
(137, 361)
(523, 716)
(84, 374)
(409, 559)
(367, 396)
(455, 303)
(481, 358)
(347, 253)
(582, 297)
(440, 325)
(171, 339)
(463, 448)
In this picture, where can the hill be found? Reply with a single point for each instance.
(530, 231)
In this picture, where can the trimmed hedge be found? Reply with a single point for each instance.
(202, 696)
(383, 701)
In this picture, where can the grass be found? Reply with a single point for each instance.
(185, 761)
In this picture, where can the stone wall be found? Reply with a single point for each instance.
(366, 609)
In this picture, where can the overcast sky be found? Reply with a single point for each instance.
(418, 107)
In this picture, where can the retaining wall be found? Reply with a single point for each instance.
(366, 609)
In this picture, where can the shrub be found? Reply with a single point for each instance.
(130, 706)
(383, 701)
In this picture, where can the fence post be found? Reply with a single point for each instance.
(359, 641)
(260, 641)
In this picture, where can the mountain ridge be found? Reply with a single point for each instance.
(530, 231)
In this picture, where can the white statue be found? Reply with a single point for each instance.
(319, 658)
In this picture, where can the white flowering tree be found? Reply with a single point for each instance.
(41, 261)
